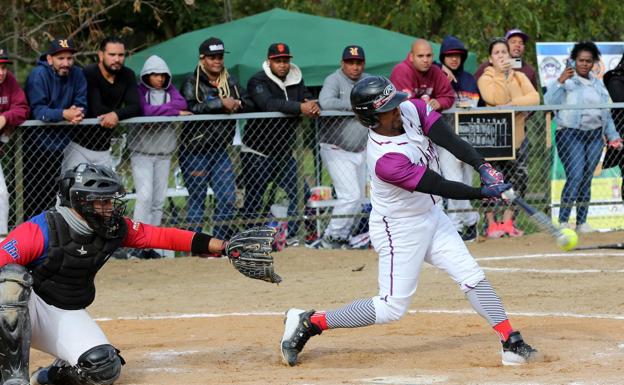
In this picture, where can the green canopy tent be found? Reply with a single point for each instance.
(315, 42)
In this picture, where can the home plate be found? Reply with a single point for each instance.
(401, 380)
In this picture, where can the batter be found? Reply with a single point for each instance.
(407, 224)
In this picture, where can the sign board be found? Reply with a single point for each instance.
(491, 133)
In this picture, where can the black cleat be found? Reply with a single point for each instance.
(517, 352)
(297, 331)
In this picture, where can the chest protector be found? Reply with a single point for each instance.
(65, 278)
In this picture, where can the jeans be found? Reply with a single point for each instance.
(579, 151)
(258, 172)
(200, 170)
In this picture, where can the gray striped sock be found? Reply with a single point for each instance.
(484, 300)
(358, 313)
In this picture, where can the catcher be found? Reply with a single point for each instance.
(47, 270)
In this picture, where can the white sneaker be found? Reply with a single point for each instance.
(565, 225)
(584, 228)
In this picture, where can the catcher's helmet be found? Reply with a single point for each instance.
(372, 95)
(85, 184)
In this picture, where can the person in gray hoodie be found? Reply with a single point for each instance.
(343, 148)
(152, 144)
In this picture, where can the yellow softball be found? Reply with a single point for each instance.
(567, 240)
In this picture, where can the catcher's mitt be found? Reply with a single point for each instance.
(250, 253)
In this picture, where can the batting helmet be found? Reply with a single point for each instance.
(372, 95)
(86, 184)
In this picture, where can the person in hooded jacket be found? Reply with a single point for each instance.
(453, 55)
(204, 161)
(152, 145)
(57, 92)
(13, 112)
(614, 81)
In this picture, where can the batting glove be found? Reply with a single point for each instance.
(494, 191)
(490, 175)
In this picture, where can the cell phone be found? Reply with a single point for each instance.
(516, 63)
(570, 63)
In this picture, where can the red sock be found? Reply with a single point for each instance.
(503, 329)
(318, 319)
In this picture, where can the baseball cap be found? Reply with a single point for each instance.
(353, 52)
(212, 46)
(4, 56)
(61, 45)
(278, 50)
(516, 31)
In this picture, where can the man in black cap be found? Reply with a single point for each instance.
(56, 91)
(278, 87)
(343, 144)
(203, 157)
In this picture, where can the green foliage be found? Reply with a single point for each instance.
(30, 23)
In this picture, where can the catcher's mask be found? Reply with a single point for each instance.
(96, 193)
(373, 95)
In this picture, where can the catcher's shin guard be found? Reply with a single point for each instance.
(15, 284)
(100, 365)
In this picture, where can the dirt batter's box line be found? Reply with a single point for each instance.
(421, 311)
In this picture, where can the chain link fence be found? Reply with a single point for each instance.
(221, 173)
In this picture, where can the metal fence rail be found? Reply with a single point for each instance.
(223, 172)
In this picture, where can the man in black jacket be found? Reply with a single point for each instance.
(112, 96)
(278, 87)
(210, 89)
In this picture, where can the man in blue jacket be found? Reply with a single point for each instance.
(453, 55)
(56, 92)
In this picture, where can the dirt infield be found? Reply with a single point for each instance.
(197, 321)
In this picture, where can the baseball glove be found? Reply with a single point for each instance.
(250, 253)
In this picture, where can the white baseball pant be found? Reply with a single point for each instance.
(348, 173)
(403, 244)
(65, 334)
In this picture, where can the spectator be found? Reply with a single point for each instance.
(614, 81)
(57, 92)
(417, 76)
(343, 148)
(151, 145)
(277, 87)
(13, 112)
(203, 152)
(113, 96)
(516, 40)
(501, 86)
(579, 134)
(453, 55)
